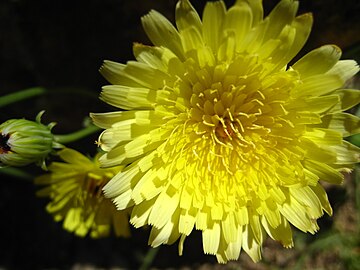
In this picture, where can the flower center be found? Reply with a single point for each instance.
(234, 127)
(226, 130)
(94, 184)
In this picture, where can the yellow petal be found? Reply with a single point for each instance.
(344, 123)
(114, 73)
(123, 201)
(120, 134)
(167, 234)
(202, 219)
(272, 213)
(140, 213)
(254, 38)
(318, 85)
(128, 98)
(105, 120)
(277, 194)
(233, 249)
(164, 207)
(308, 198)
(67, 173)
(324, 171)
(319, 153)
(282, 54)
(296, 214)
(162, 33)
(323, 136)
(283, 14)
(302, 25)
(144, 117)
(73, 219)
(149, 186)
(238, 20)
(213, 17)
(186, 16)
(116, 185)
(318, 61)
(133, 74)
(349, 98)
(323, 198)
(191, 39)
(227, 48)
(74, 157)
(205, 56)
(282, 233)
(229, 228)
(345, 69)
(211, 238)
(347, 153)
(186, 195)
(256, 228)
(217, 211)
(257, 10)
(131, 151)
(268, 48)
(315, 104)
(250, 246)
(61, 201)
(155, 57)
(187, 220)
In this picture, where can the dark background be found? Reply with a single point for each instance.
(60, 45)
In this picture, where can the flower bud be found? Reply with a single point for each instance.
(23, 142)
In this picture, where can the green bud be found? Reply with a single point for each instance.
(23, 142)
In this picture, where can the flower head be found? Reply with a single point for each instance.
(23, 142)
(75, 189)
(220, 134)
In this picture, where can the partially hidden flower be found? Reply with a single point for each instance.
(23, 142)
(75, 189)
(220, 134)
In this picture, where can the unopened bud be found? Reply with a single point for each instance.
(23, 142)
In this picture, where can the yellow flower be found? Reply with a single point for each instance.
(220, 134)
(75, 189)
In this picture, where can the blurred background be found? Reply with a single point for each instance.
(60, 45)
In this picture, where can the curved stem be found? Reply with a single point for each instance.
(74, 90)
(17, 173)
(21, 95)
(77, 135)
(37, 91)
(149, 258)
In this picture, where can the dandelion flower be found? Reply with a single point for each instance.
(75, 189)
(219, 134)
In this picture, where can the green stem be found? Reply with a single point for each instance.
(77, 91)
(17, 173)
(37, 91)
(21, 95)
(149, 258)
(77, 135)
